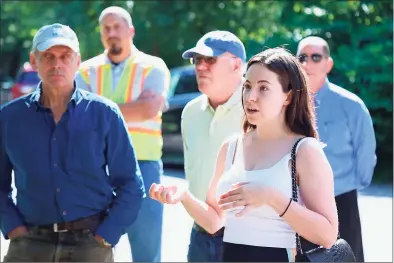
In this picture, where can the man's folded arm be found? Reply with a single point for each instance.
(145, 108)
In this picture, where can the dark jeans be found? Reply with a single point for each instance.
(41, 245)
(246, 253)
(349, 224)
(204, 248)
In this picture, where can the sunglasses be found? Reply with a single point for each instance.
(196, 60)
(316, 58)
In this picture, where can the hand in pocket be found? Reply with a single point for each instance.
(19, 231)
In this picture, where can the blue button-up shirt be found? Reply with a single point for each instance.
(345, 125)
(78, 167)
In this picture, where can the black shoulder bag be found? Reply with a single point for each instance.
(339, 252)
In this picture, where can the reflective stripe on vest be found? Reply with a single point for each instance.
(85, 76)
(151, 127)
(146, 135)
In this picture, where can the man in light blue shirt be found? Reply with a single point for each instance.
(345, 125)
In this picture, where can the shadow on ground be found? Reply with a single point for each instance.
(174, 170)
(378, 190)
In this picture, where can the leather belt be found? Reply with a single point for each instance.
(219, 233)
(90, 222)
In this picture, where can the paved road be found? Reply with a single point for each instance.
(375, 208)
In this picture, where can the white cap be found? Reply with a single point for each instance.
(55, 35)
(118, 11)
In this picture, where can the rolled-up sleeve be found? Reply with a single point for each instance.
(364, 142)
(9, 214)
(126, 180)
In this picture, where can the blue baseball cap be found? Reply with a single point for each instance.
(216, 43)
(55, 35)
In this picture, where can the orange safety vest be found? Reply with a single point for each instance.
(146, 135)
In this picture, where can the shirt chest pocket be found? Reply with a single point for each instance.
(335, 132)
(85, 150)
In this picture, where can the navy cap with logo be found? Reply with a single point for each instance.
(216, 43)
(55, 35)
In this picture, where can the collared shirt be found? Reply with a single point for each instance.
(345, 125)
(204, 130)
(68, 170)
(116, 69)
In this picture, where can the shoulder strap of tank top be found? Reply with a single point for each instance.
(235, 150)
(232, 149)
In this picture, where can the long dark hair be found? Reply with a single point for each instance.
(300, 114)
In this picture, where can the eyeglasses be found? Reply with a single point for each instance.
(196, 60)
(316, 58)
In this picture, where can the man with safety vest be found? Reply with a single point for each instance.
(138, 83)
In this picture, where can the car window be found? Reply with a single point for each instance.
(29, 77)
(187, 83)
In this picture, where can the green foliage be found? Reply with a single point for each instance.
(360, 36)
(359, 33)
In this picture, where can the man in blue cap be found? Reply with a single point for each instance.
(207, 121)
(70, 151)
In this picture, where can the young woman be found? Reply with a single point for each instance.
(250, 193)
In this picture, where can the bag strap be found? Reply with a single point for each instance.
(295, 188)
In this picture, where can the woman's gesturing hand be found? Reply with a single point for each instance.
(245, 194)
(166, 194)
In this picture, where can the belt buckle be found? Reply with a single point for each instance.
(57, 230)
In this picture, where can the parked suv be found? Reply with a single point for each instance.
(183, 88)
(26, 81)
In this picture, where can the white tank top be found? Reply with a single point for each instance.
(260, 226)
